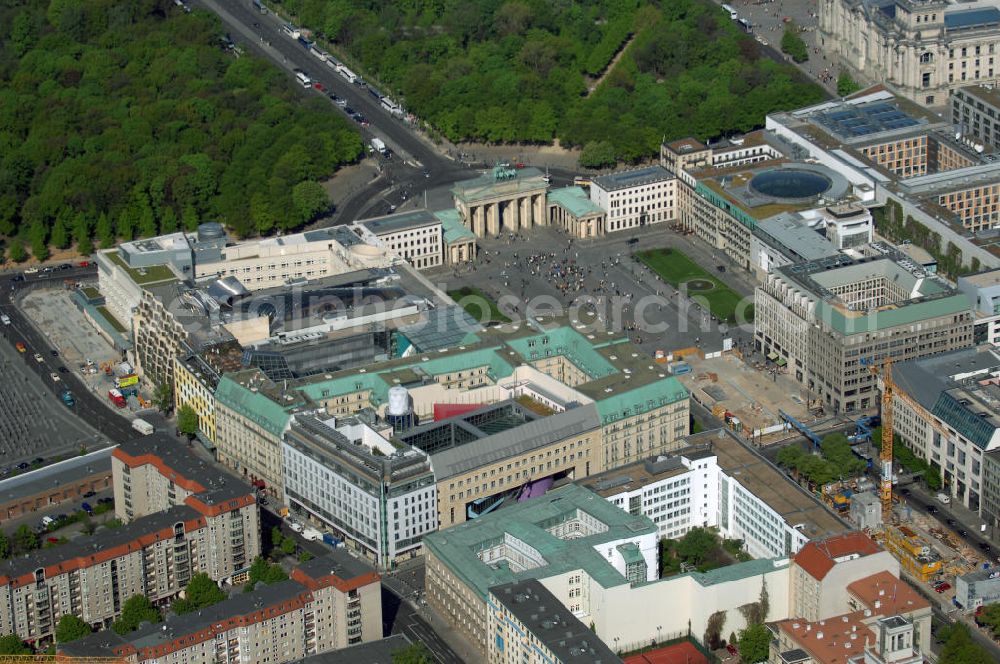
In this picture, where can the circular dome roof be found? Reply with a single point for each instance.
(790, 183)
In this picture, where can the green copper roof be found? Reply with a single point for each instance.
(630, 553)
(912, 312)
(575, 200)
(451, 223)
(640, 400)
(252, 405)
(348, 384)
(459, 547)
(569, 343)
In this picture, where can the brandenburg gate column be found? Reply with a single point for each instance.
(478, 222)
(524, 210)
(493, 219)
(538, 201)
(512, 216)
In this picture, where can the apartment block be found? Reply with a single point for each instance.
(153, 474)
(636, 197)
(329, 603)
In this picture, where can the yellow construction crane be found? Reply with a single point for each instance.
(888, 387)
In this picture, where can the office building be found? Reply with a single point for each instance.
(977, 588)
(329, 603)
(925, 49)
(983, 290)
(974, 113)
(716, 482)
(349, 477)
(569, 533)
(530, 626)
(945, 409)
(544, 405)
(196, 377)
(832, 320)
(636, 197)
(859, 637)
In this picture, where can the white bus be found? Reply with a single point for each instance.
(347, 73)
(303, 79)
(391, 106)
(291, 30)
(732, 12)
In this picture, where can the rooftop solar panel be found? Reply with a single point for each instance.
(864, 120)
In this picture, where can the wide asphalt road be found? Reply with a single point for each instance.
(417, 164)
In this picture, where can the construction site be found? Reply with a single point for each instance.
(749, 399)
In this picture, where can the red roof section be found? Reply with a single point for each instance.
(679, 653)
(443, 411)
(886, 595)
(818, 558)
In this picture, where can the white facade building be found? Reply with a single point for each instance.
(354, 481)
(278, 261)
(415, 236)
(718, 486)
(636, 198)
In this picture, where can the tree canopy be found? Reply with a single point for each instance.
(187, 420)
(959, 648)
(754, 643)
(415, 653)
(201, 591)
(123, 118)
(71, 628)
(136, 610)
(263, 571)
(522, 70)
(12, 644)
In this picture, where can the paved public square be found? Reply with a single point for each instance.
(598, 287)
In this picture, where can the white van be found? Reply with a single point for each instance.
(47, 521)
(943, 498)
(303, 79)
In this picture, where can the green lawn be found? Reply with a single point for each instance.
(676, 268)
(478, 305)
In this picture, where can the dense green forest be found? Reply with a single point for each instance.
(520, 70)
(128, 119)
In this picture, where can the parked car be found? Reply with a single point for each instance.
(90, 494)
(87, 508)
(21, 348)
(47, 521)
(52, 540)
(942, 587)
(39, 358)
(105, 501)
(731, 649)
(24, 465)
(83, 264)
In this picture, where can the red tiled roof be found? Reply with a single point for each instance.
(817, 558)
(893, 596)
(831, 641)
